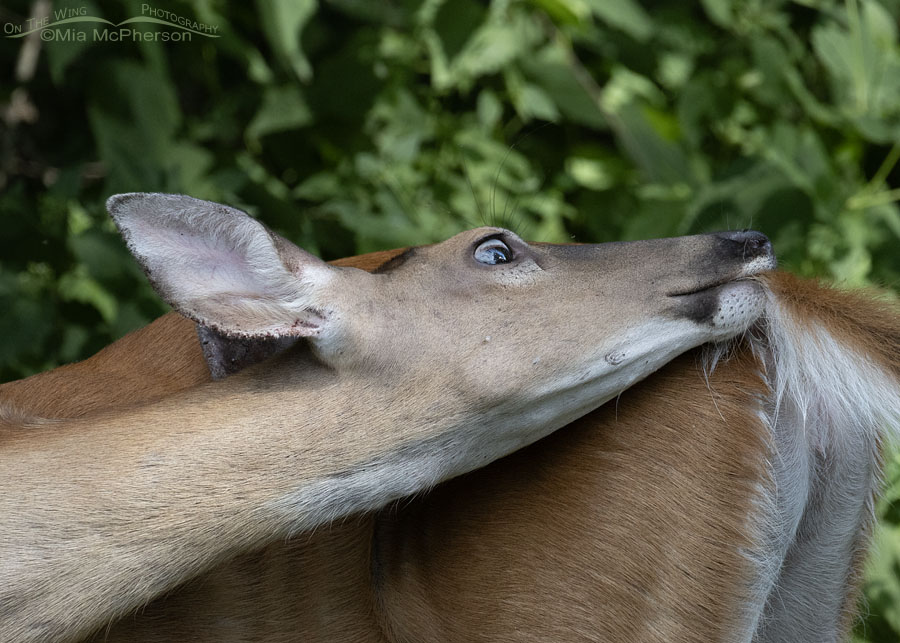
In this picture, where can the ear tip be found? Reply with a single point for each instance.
(121, 205)
(116, 202)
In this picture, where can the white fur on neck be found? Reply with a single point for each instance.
(827, 413)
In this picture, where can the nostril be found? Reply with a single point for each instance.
(752, 242)
(757, 241)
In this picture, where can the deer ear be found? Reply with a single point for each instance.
(222, 268)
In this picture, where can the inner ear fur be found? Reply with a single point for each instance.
(222, 268)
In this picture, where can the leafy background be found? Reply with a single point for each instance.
(356, 125)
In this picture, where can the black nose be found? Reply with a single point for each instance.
(753, 243)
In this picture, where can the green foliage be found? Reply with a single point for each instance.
(353, 125)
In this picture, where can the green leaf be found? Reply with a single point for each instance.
(455, 22)
(283, 108)
(626, 15)
(550, 70)
(719, 11)
(78, 286)
(79, 220)
(188, 164)
(491, 48)
(400, 125)
(533, 102)
(863, 64)
(319, 187)
(649, 136)
(74, 339)
(593, 174)
(134, 115)
(565, 11)
(490, 109)
(62, 53)
(487, 51)
(104, 256)
(283, 22)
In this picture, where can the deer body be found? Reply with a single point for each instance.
(408, 377)
(681, 513)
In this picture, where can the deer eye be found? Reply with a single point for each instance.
(493, 252)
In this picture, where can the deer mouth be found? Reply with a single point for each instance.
(706, 288)
(758, 266)
(727, 305)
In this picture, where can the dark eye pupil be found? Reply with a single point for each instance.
(493, 252)
(496, 255)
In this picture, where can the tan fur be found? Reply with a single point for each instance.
(537, 547)
(532, 548)
(255, 596)
(314, 588)
(408, 377)
(627, 526)
(146, 365)
(624, 527)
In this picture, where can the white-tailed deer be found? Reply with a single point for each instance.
(456, 355)
(637, 523)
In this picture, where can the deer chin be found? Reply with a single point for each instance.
(728, 309)
(736, 306)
